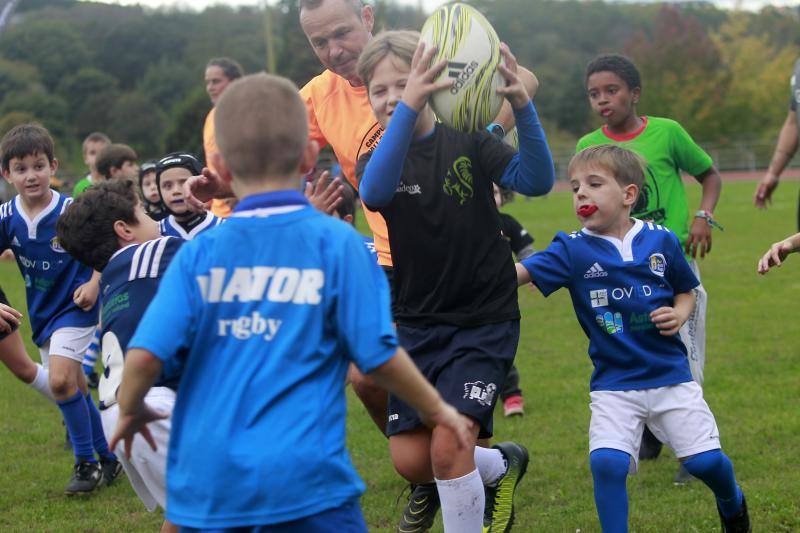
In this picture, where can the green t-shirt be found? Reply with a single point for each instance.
(81, 185)
(668, 149)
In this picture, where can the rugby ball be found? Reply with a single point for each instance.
(471, 47)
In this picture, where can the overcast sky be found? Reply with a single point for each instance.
(426, 4)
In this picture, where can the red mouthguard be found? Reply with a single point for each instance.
(586, 210)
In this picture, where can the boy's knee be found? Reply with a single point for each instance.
(447, 457)
(413, 469)
(607, 463)
(701, 464)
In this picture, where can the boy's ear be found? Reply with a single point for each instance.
(636, 93)
(309, 158)
(53, 166)
(221, 167)
(123, 232)
(631, 193)
(348, 219)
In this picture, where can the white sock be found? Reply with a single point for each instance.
(462, 501)
(41, 383)
(490, 464)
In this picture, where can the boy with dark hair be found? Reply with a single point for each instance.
(93, 144)
(61, 293)
(270, 330)
(118, 161)
(108, 229)
(641, 373)
(614, 86)
(149, 191)
(172, 171)
(455, 297)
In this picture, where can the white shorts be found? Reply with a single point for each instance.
(677, 415)
(146, 469)
(71, 343)
(693, 331)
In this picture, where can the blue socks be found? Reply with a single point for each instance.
(98, 437)
(716, 470)
(79, 426)
(610, 473)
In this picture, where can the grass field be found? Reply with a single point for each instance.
(752, 385)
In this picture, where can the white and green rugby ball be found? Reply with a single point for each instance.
(471, 47)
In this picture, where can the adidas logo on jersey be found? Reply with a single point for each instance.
(595, 271)
(15, 241)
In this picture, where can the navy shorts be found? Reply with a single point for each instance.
(3, 300)
(468, 366)
(344, 519)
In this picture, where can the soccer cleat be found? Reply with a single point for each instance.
(738, 523)
(651, 446)
(499, 511)
(421, 509)
(111, 469)
(514, 405)
(682, 476)
(85, 478)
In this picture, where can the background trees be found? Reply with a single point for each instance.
(137, 74)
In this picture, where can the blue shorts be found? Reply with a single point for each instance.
(344, 519)
(468, 366)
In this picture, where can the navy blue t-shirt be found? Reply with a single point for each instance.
(614, 286)
(128, 285)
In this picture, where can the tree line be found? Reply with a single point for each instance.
(137, 74)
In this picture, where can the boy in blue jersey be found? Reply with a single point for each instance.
(109, 229)
(271, 306)
(172, 171)
(61, 295)
(632, 290)
(455, 296)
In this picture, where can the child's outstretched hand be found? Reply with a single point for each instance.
(514, 91)
(9, 318)
(667, 320)
(777, 253)
(421, 79)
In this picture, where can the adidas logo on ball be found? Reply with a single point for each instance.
(462, 73)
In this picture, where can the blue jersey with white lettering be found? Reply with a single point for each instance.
(169, 227)
(51, 274)
(614, 286)
(272, 305)
(128, 285)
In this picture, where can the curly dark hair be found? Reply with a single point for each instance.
(618, 64)
(86, 228)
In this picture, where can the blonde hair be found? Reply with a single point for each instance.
(261, 127)
(399, 43)
(627, 167)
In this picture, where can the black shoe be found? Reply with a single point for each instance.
(111, 469)
(85, 478)
(92, 379)
(421, 509)
(651, 446)
(498, 515)
(738, 523)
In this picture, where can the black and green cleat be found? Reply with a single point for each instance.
(499, 512)
(420, 511)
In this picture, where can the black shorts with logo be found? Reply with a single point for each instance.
(4, 300)
(468, 366)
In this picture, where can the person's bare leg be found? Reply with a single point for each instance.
(374, 398)
(14, 356)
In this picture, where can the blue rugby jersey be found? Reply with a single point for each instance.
(614, 286)
(272, 306)
(128, 285)
(51, 275)
(169, 227)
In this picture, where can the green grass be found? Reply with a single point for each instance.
(752, 384)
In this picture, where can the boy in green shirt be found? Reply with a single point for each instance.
(93, 144)
(614, 86)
